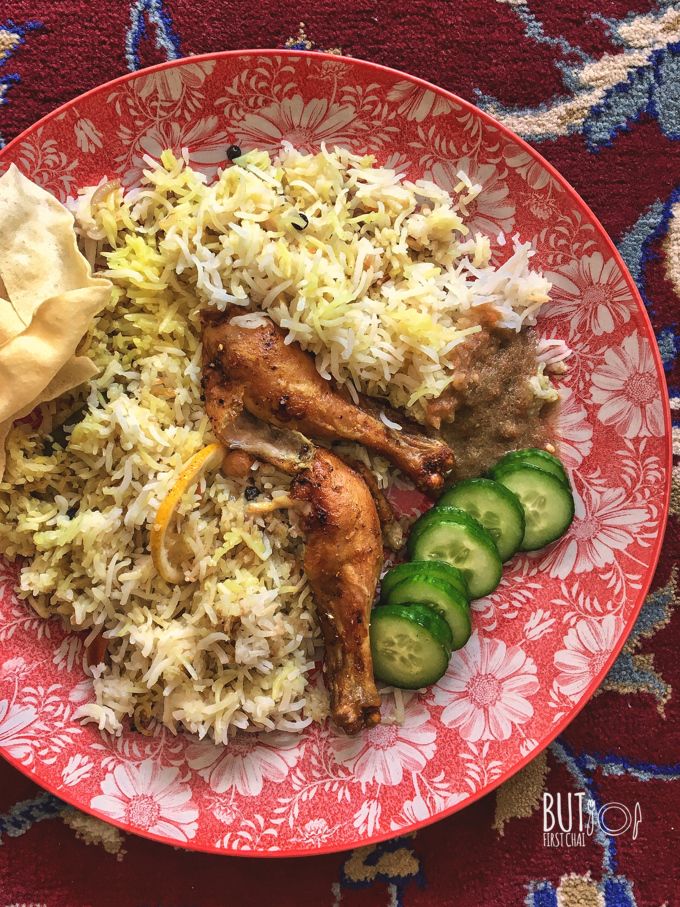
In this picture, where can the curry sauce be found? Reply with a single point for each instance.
(490, 407)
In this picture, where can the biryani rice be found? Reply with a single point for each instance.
(380, 285)
(380, 278)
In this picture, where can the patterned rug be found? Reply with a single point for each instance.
(595, 86)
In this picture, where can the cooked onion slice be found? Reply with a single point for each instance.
(198, 465)
(280, 503)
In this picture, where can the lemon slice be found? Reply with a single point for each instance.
(202, 462)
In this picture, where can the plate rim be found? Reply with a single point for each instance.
(489, 119)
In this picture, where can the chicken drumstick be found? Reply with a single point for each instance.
(279, 383)
(343, 544)
(343, 558)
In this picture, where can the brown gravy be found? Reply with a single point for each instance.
(490, 407)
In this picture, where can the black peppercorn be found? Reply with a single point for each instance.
(71, 512)
(233, 151)
(301, 220)
(251, 493)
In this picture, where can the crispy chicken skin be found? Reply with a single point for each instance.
(279, 383)
(239, 431)
(343, 559)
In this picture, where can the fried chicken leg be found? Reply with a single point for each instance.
(343, 544)
(343, 558)
(238, 430)
(279, 383)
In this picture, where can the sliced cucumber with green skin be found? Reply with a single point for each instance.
(410, 645)
(548, 503)
(449, 534)
(439, 569)
(533, 456)
(423, 589)
(495, 507)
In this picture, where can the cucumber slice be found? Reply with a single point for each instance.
(548, 503)
(533, 456)
(424, 589)
(449, 534)
(410, 645)
(495, 507)
(439, 569)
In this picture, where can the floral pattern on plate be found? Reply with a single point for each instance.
(542, 641)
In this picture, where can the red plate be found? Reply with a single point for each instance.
(545, 639)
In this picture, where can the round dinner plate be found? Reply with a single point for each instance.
(542, 642)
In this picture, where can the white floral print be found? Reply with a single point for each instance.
(397, 161)
(533, 171)
(169, 84)
(246, 762)
(221, 807)
(18, 726)
(493, 211)
(315, 832)
(320, 788)
(416, 103)
(305, 124)
(574, 431)
(486, 691)
(14, 667)
(527, 745)
(77, 769)
(385, 752)
(204, 140)
(587, 647)
(605, 523)
(44, 161)
(541, 204)
(88, 137)
(149, 797)
(417, 809)
(626, 389)
(82, 692)
(413, 812)
(592, 294)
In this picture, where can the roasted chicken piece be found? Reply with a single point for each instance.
(343, 558)
(279, 383)
(238, 430)
(343, 545)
